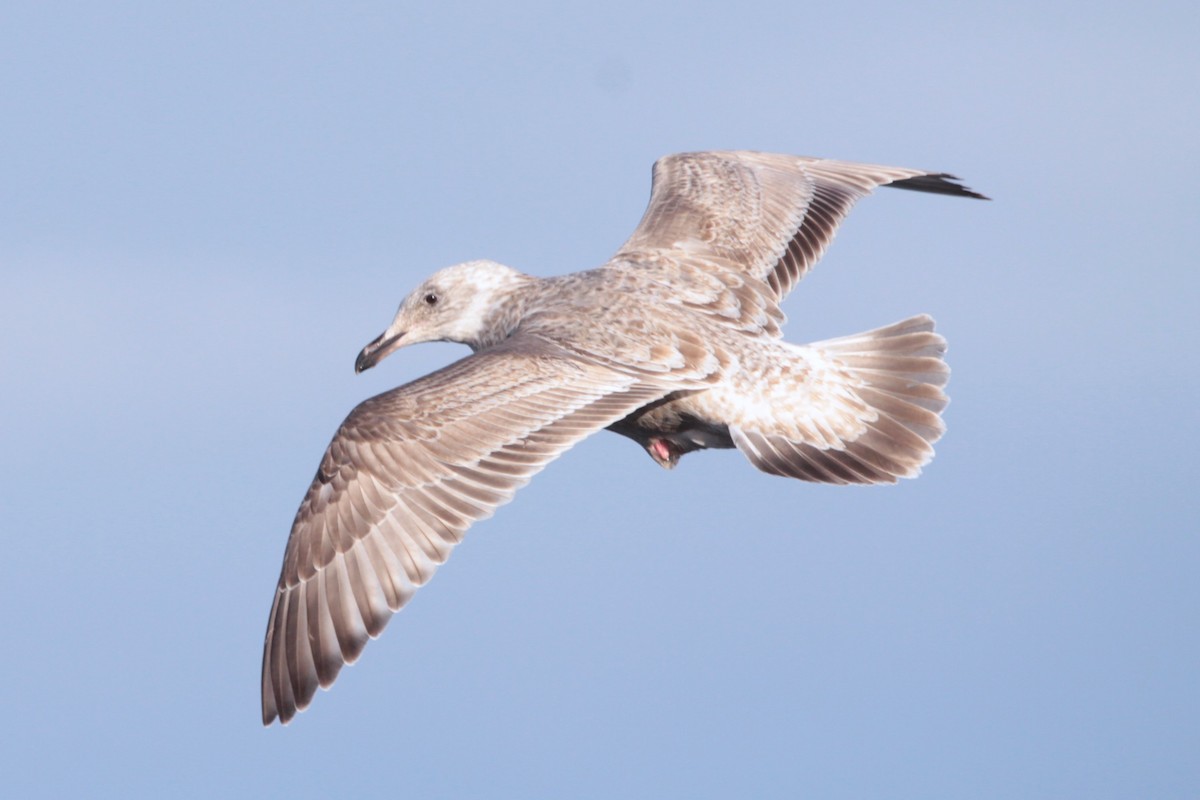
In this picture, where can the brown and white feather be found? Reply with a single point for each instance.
(765, 216)
(404, 477)
(858, 409)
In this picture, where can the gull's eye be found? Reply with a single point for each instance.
(431, 299)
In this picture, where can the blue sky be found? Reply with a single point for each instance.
(207, 209)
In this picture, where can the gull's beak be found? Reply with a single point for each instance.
(382, 346)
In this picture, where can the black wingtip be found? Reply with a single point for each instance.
(938, 183)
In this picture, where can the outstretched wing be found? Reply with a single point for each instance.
(404, 477)
(764, 216)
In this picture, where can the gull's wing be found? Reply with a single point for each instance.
(760, 215)
(404, 477)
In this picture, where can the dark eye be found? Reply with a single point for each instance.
(431, 299)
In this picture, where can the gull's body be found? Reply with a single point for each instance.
(675, 343)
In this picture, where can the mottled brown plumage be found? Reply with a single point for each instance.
(673, 343)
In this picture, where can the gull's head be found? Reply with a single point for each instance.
(463, 304)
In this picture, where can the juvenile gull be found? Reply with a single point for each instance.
(674, 343)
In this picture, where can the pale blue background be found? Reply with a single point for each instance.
(207, 208)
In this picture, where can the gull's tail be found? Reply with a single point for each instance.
(863, 409)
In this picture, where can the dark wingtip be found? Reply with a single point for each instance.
(938, 183)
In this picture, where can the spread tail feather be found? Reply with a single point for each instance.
(894, 377)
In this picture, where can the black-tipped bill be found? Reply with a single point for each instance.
(376, 351)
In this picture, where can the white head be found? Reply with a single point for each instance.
(456, 304)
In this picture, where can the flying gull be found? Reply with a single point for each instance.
(674, 343)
